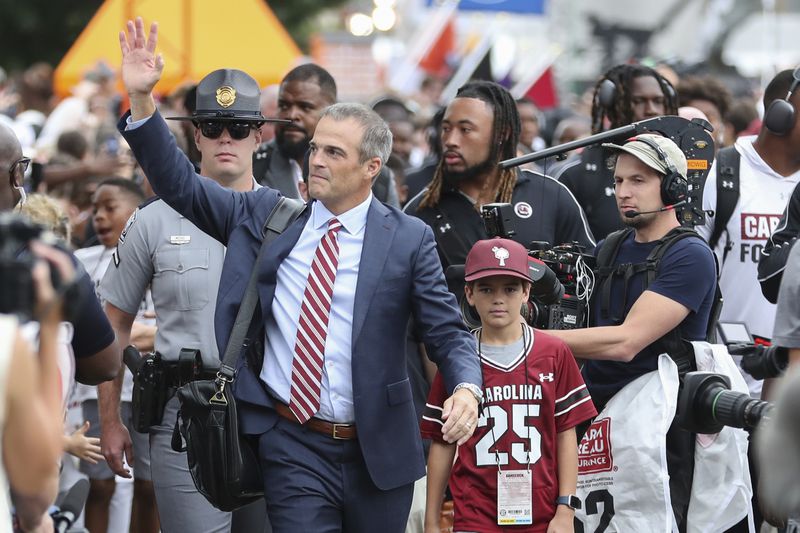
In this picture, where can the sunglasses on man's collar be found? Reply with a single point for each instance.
(212, 129)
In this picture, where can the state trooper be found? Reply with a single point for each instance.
(163, 250)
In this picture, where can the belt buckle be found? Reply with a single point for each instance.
(335, 432)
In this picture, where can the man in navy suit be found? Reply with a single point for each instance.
(352, 464)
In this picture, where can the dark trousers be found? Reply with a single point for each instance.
(315, 483)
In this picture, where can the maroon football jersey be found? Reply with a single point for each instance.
(526, 404)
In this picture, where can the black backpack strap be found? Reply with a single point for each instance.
(728, 161)
(605, 271)
(672, 343)
(664, 244)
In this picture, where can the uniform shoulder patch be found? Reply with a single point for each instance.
(128, 225)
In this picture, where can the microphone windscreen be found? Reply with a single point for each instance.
(631, 214)
(75, 498)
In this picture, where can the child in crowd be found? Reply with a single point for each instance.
(114, 203)
(520, 467)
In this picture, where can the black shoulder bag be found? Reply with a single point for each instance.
(224, 467)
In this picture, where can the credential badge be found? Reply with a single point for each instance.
(226, 96)
(501, 254)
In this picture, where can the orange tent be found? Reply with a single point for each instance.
(195, 37)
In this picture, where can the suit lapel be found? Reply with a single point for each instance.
(273, 256)
(378, 236)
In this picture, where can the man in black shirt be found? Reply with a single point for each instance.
(304, 92)
(481, 127)
(625, 94)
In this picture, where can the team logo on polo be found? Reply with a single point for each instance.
(501, 254)
(594, 450)
(226, 96)
(523, 209)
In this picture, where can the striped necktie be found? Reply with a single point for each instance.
(312, 327)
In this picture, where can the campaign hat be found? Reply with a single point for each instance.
(228, 94)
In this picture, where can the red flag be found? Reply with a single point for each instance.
(543, 93)
(435, 61)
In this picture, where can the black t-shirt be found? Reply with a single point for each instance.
(591, 180)
(544, 210)
(687, 275)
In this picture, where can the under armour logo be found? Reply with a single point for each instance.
(727, 184)
(445, 228)
(609, 191)
(500, 254)
(546, 377)
(591, 167)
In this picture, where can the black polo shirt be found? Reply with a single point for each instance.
(591, 180)
(544, 210)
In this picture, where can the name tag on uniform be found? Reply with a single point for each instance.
(180, 239)
(514, 498)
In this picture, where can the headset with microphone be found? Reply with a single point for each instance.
(674, 187)
(779, 117)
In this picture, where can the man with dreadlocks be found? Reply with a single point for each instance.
(481, 127)
(625, 94)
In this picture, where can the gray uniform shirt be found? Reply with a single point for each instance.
(182, 265)
(787, 315)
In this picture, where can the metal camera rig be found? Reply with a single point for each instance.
(692, 137)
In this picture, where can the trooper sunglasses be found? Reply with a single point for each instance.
(212, 129)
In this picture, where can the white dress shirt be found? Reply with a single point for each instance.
(336, 395)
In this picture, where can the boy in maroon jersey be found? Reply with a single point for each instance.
(519, 469)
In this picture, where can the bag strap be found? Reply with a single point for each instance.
(604, 271)
(728, 161)
(279, 219)
(664, 244)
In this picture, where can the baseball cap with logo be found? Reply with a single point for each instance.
(496, 257)
(650, 157)
(231, 95)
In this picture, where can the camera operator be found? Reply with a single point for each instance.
(641, 310)
(97, 355)
(481, 127)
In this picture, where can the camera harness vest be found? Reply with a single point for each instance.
(606, 271)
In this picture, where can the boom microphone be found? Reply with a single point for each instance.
(633, 214)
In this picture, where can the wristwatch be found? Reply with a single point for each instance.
(474, 389)
(571, 501)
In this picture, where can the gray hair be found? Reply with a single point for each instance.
(377, 139)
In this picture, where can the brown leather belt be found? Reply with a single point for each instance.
(330, 429)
